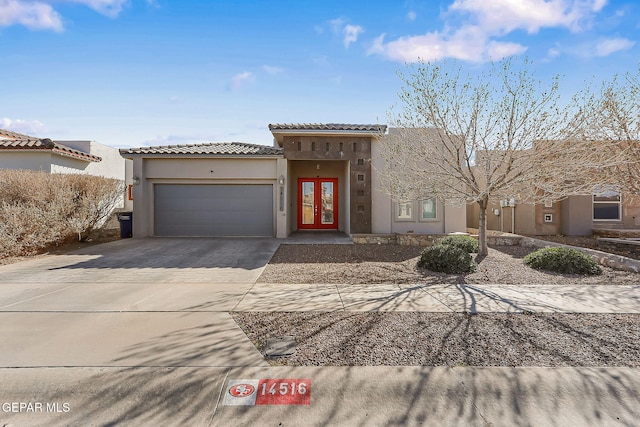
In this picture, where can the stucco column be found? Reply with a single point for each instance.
(140, 211)
(281, 198)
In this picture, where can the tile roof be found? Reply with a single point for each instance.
(328, 127)
(215, 148)
(16, 141)
(14, 135)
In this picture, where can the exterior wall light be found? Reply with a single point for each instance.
(136, 180)
(281, 180)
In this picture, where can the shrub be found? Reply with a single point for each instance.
(562, 260)
(466, 243)
(39, 209)
(448, 259)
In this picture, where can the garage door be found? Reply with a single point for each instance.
(213, 210)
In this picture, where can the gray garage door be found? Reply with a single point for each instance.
(213, 210)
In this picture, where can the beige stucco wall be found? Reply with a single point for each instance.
(32, 160)
(449, 218)
(151, 171)
(112, 165)
(529, 218)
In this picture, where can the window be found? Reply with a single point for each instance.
(428, 209)
(607, 206)
(404, 211)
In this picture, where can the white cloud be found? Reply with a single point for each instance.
(33, 15)
(473, 26)
(241, 79)
(411, 16)
(504, 16)
(351, 33)
(41, 15)
(553, 52)
(607, 47)
(28, 127)
(348, 32)
(467, 44)
(270, 69)
(110, 8)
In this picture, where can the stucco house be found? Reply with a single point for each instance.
(20, 151)
(314, 177)
(574, 216)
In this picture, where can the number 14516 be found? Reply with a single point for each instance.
(284, 391)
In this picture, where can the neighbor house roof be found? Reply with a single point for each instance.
(215, 149)
(19, 142)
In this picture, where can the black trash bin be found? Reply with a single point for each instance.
(126, 224)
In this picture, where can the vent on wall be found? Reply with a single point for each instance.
(548, 217)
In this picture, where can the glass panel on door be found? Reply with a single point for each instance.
(327, 203)
(308, 202)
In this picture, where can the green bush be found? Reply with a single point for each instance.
(562, 260)
(448, 259)
(466, 243)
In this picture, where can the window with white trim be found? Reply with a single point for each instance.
(428, 209)
(607, 206)
(404, 211)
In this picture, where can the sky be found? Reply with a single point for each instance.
(131, 73)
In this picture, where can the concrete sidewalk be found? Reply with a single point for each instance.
(339, 396)
(442, 298)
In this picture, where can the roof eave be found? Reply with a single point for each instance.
(278, 134)
(63, 153)
(130, 156)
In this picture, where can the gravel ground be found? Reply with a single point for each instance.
(451, 339)
(397, 264)
(437, 339)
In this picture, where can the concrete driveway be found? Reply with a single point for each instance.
(126, 315)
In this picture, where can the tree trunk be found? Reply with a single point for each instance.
(483, 249)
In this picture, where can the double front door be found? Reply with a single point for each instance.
(317, 203)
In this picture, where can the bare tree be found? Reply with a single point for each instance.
(499, 134)
(618, 122)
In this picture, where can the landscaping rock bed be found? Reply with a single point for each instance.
(438, 339)
(392, 263)
(449, 339)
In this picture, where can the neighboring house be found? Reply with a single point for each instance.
(316, 177)
(574, 216)
(19, 151)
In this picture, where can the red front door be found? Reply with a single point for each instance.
(317, 203)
